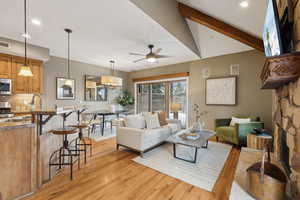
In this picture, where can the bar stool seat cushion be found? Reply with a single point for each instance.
(64, 131)
(80, 126)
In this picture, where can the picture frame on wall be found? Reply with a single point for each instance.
(101, 94)
(221, 91)
(65, 88)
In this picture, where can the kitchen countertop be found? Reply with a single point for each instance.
(12, 125)
(48, 111)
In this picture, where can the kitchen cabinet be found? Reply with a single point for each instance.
(5, 66)
(10, 67)
(19, 160)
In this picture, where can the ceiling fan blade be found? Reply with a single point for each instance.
(157, 51)
(139, 60)
(163, 56)
(136, 54)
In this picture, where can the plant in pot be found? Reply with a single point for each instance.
(126, 100)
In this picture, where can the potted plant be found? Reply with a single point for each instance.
(126, 99)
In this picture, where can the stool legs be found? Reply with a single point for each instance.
(63, 152)
(81, 142)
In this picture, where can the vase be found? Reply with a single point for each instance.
(198, 126)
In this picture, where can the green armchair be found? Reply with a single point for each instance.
(236, 134)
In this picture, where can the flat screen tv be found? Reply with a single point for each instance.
(272, 34)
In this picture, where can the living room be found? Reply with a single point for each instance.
(139, 99)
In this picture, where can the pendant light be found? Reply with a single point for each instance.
(25, 69)
(111, 80)
(69, 81)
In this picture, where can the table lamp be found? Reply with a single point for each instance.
(175, 108)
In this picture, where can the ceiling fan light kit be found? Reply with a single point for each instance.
(151, 57)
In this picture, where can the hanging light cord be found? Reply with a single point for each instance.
(25, 25)
(112, 67)
(69, 55)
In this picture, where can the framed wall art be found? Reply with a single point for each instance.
(221, 91)
(65, 88)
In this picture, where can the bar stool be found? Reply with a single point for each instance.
(64, 151)
(82, 141)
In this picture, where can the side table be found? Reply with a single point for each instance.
(259, 141)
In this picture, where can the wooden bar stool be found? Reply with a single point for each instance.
(57, 158)
(83, 141)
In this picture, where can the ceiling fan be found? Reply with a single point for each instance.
(151, 57)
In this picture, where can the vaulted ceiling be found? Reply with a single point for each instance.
(105, 30)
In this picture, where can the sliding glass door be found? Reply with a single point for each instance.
(168, 96)
(143, 97)
(158, 97)
(178, 101)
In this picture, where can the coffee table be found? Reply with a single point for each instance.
(201, 142)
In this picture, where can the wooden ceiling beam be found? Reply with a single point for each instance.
(220, 26)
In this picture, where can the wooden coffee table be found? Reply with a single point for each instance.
(201, 142)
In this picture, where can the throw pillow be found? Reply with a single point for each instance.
(135, 121)
(162, 117)
(235, 120)
(152, 121)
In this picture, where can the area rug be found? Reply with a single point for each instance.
(203, 174)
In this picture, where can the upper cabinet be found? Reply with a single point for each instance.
(10, 67)
(5, 66)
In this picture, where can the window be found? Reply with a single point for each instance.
(168, 96)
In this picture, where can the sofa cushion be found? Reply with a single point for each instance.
(162, 117)
(135, 121)
(152, 121)
(227, 133)
(235, 120)
(173, 127)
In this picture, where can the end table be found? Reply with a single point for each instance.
(259, 141)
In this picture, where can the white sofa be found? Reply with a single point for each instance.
(141, 140)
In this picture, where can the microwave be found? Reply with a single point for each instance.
(5, 86)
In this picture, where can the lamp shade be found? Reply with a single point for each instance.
(25, 71)
(90, 84)
(175, 107)
(111, 81)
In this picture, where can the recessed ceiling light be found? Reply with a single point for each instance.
(26, 35)
(244, 3)
(36, 22)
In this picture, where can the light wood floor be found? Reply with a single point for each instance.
(112, 175)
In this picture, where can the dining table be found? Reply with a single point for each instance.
(103, 114)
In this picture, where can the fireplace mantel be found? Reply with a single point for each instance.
(280, 70)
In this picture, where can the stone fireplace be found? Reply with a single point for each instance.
(286, 118)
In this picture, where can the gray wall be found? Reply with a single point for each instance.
(251, 99)
(17, 49)
(57, 67)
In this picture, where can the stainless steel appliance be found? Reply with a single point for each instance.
(5, 110)
(5, 86)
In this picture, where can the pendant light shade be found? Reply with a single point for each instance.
(25, 69)
(111, 80)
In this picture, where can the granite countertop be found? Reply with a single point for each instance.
(12, 125)
(51, 111)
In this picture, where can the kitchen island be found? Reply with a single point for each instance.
(18, 159)
(25, 149)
